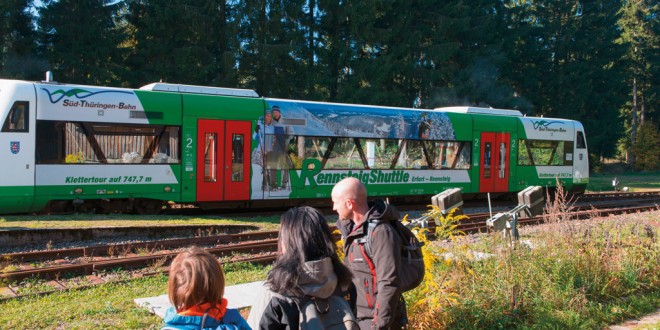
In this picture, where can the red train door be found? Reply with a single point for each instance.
(494, 171)
(223, 166)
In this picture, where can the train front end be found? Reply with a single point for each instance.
(553, 151)
(17, 136)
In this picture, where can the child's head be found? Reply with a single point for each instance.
(196, 278)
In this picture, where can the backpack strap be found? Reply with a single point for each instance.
(201, 326)
(364, 243)
(365, 240)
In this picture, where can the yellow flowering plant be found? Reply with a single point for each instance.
(75, 158)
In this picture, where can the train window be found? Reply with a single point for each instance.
(501, 167)
(308, 147)
(449, 154)
(379, 153)
(580, 143)
(568, 153)
(237, 144)
(344, 155)
(487, 159)
(18, 118)
(210, 157)
(464, 152)
(545, 153)
(74, 142)
(414, 155)
(362, 153)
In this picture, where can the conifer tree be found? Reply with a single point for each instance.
(17, 41)
(647, 148)
(567, 65)
(79, 39)
(640, 38)
(273, 42)
(188, 42)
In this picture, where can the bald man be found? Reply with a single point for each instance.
(380, 302)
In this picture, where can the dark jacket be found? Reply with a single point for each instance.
(272, 310)
(380, 301)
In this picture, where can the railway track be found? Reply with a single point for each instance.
(244, 247)
(470, 203)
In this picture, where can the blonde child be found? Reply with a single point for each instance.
(196, 287)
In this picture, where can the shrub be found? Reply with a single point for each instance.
(572, 274)
(647, 148)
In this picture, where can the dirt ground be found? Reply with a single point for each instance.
(647, 322)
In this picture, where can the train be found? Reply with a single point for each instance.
(67, 147)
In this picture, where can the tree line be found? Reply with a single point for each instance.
(593, 61)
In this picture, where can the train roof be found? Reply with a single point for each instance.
(179, 88)
(483, 111)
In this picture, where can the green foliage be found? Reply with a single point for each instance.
(435, 291)
(634, 181)
(565, 64)
(577, 275)
(647, 148)
(181, 42)
(80, 40)
(17, 42)
(553, 58)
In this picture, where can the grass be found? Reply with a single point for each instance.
(573, 275)
(125, 220)
(106, 306)
(635, 181)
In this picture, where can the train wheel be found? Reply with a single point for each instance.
(148, 206)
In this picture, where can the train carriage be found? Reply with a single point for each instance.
(114, 149)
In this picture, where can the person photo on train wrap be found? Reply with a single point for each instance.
(380, 303)
(196, 287)
(280, 148)
(268, 160)
(307, 271)
(424, 130)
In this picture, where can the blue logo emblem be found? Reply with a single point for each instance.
(543, 123)
(78, 93)
(15, 147)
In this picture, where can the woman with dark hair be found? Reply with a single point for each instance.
(307, 267)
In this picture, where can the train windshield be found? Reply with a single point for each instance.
(17, 120)
(543, 152)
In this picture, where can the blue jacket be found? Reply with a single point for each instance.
(231, 320)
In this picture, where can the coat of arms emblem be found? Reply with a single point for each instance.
(15, 147)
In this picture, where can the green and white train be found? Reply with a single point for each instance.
(113, 149)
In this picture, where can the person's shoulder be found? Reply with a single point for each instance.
(233, 320)
(232, 316)
(385, 227)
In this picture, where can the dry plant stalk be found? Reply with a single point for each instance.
(557, 208)
(157, 264)
(112, 250)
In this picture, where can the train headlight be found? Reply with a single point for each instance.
(78, 190)
(167, 188)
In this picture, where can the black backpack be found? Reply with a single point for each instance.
(331, 313)
(412, 258)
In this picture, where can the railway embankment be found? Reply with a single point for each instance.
(587, 274)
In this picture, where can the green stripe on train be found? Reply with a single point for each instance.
(16, 199)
